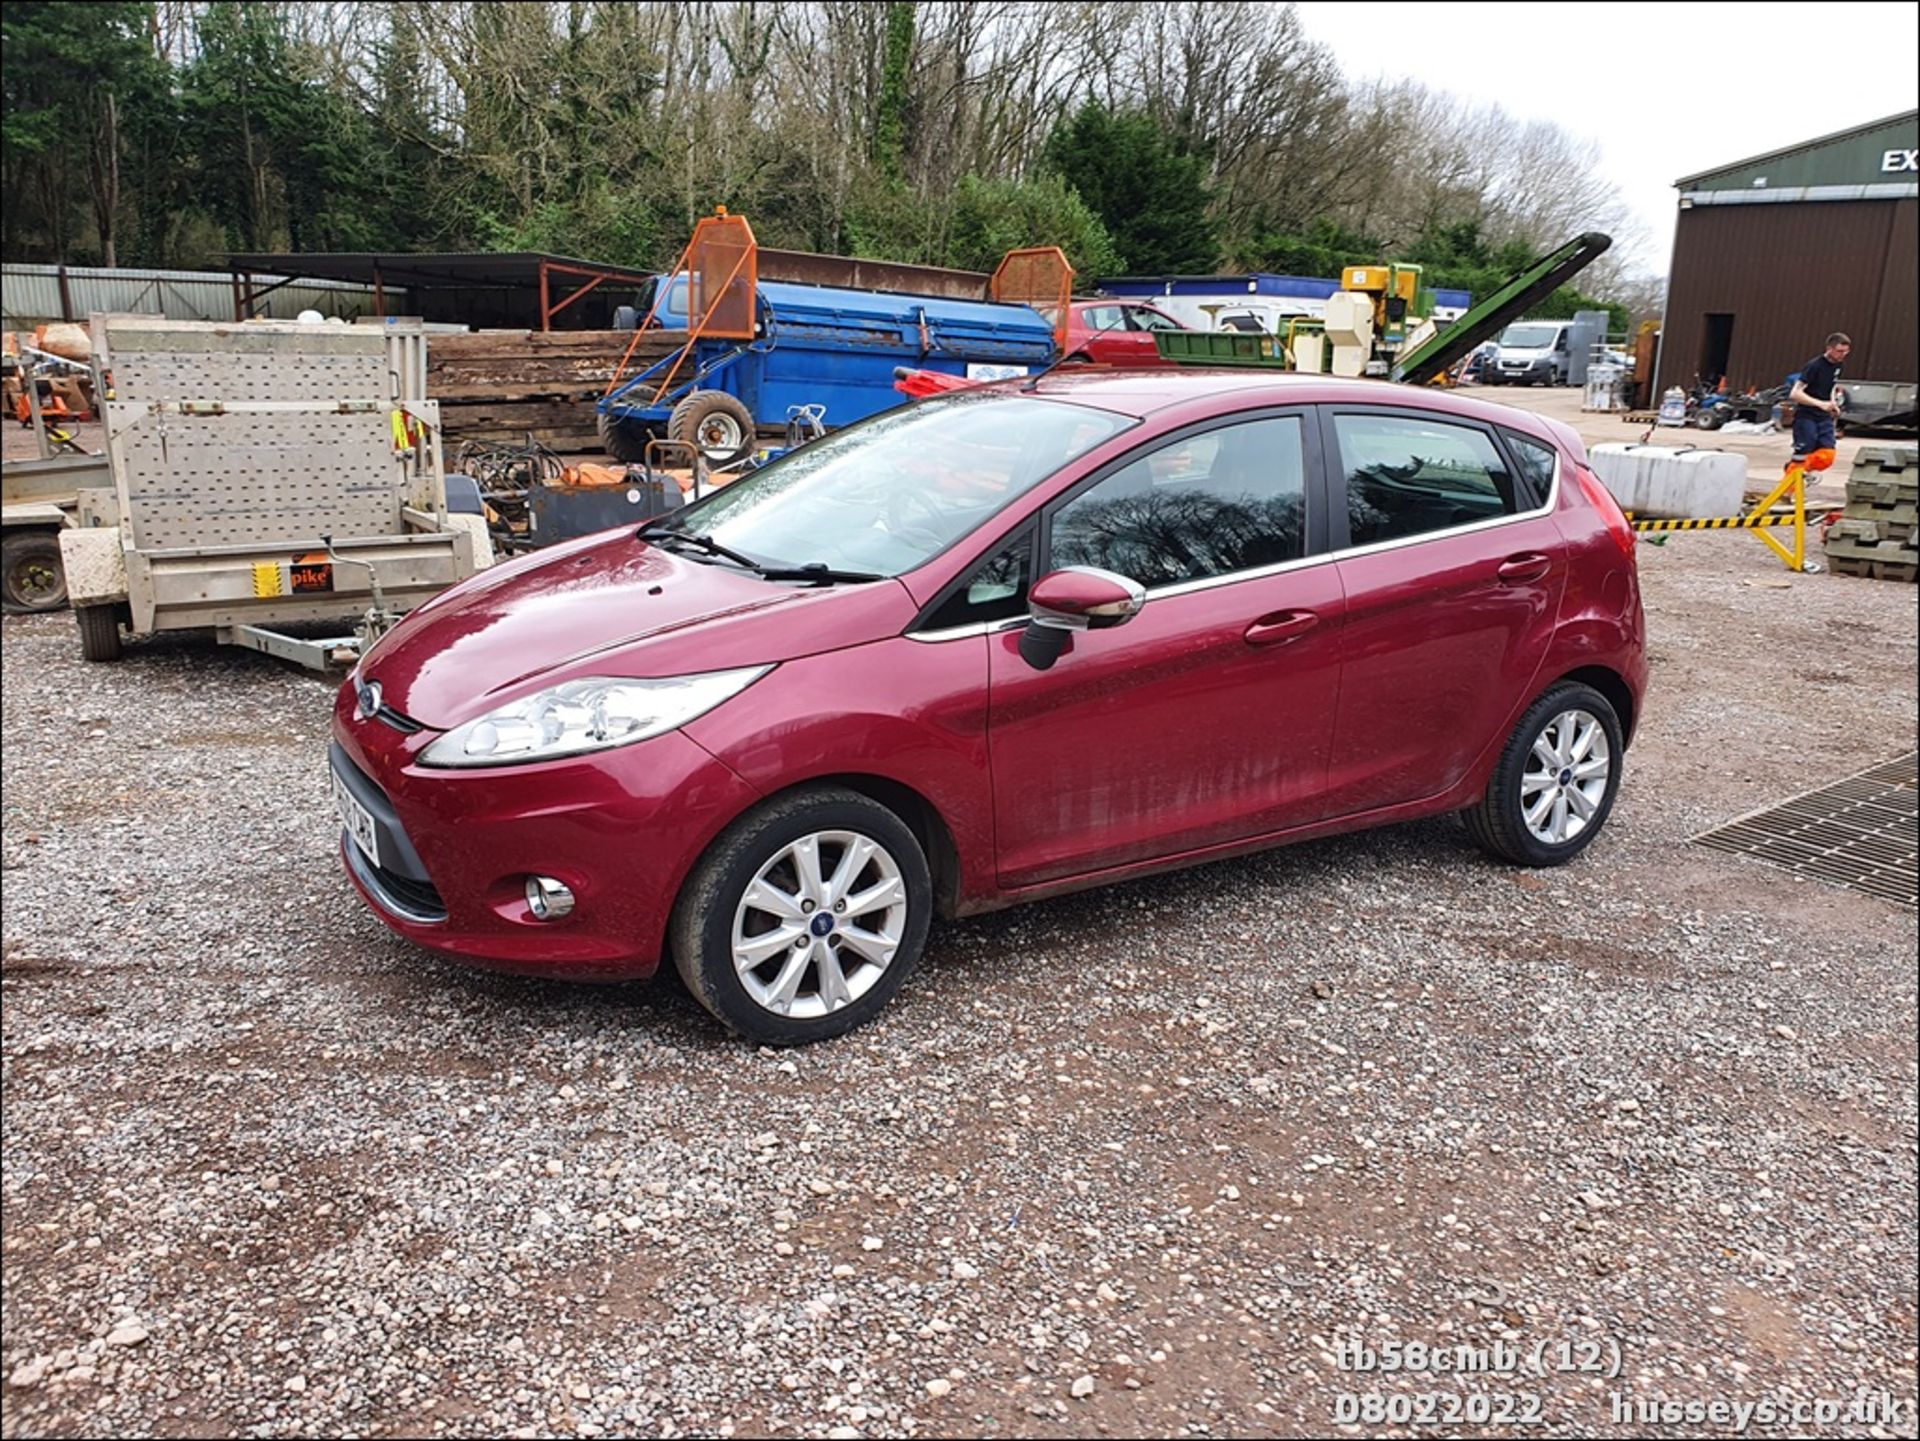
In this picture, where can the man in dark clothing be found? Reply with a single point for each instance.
(1816, 401)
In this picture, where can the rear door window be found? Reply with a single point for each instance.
(1407, 476)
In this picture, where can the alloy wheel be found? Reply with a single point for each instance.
(1565, 781)
(819, 924)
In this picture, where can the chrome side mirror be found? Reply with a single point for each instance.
(1077, 598)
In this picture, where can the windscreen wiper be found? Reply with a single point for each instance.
(818, 573)
(813, 571)
(657, 531)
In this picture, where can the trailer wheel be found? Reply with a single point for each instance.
(624, 440)
(715, 422)
(99, 631)
(31, 575)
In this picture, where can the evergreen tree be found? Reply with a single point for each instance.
(1152, 199)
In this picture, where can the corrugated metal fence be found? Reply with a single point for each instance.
(35, 294)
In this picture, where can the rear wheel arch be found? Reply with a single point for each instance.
(1610, 684)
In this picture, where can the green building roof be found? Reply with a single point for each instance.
(1878, 153)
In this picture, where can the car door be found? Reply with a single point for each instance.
(1206, 718)
(1452, 571)
(1142, 322)
(1105, 340)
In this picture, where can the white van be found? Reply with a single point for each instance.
(1532, 352)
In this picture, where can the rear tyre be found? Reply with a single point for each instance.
(31, 575)
(99, 631)
(804, 918)
(717, 423)
(1554, 785)
(624, 440)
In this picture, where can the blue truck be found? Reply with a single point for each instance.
(812, 346)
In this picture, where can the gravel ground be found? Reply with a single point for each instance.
(1132, 1163)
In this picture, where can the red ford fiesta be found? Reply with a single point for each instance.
(988, 647)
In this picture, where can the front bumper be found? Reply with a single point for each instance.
(1520, 375)
(620, 828)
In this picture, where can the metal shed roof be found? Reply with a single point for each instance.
(1855, 156)
(512, 268)
(550, 283)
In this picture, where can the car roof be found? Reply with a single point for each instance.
(1152, 391)
(1144, 391)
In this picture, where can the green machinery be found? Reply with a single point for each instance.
(1377, 324)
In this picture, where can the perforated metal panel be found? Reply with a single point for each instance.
(285, 476)
(249, 363)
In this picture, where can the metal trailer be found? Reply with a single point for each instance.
(1868, 406)
(759, 354)
(38, 499)
(266, 474)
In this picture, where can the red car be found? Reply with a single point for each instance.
(1116, 332)
(987, 647)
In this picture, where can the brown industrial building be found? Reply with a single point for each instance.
(1773, 253)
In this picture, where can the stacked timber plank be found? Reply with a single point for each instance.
(501, 385)
(1875, 534)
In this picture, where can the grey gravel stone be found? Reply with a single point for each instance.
(243, 1116)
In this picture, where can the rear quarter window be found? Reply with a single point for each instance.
(1535, 461)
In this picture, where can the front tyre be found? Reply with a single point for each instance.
(1555, 782)
(804, 918)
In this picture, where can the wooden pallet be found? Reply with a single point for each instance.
(1640, 417)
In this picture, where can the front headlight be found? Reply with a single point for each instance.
(586, 715)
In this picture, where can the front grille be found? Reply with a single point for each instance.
(405, 724)
(1860, 832)
(409, 899)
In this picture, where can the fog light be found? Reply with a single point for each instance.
(547, 898)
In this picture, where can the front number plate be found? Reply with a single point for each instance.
(357, 819)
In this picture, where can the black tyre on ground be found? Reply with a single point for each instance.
(716, 422)
(99, 631)
(1555, 782)
(32, 577)
(804, 918)
(624, 440)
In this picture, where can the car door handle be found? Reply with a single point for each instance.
(1524, 568)
(1281, 625)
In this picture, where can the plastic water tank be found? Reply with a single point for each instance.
(1671, 481)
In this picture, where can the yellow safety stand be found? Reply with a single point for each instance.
(1760, 520)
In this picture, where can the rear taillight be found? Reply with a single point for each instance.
(1602, 500)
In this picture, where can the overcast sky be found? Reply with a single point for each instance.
(1667, 90)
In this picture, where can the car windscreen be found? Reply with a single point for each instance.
(1528, 337)
(888, 494)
